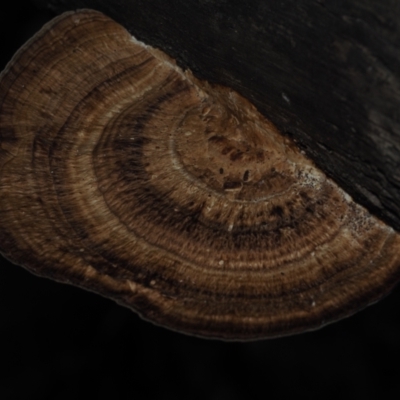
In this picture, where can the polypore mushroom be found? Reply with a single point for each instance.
(125, 175)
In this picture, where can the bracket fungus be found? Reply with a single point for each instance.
(124, 175)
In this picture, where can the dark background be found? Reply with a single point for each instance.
(60, 342)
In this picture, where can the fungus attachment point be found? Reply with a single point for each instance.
(125, 175)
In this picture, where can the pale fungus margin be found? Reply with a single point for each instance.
(122, 174)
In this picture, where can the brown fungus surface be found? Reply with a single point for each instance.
(125, 175)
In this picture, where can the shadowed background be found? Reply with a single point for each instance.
(60, 342)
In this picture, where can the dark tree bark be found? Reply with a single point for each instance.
(327, 73)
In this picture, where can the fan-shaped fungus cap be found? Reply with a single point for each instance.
(122, 174)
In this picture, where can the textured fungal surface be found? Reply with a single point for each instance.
(125, 175)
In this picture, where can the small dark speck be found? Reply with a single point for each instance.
(278, 211)
(231, 185)
(221, 171)
(246, 176)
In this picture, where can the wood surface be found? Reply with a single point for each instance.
(326, 73)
